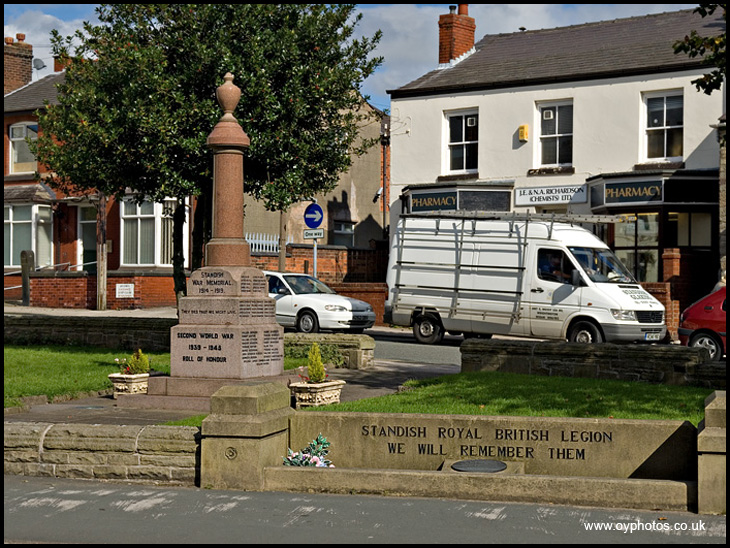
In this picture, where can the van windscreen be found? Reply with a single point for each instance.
(601, 265)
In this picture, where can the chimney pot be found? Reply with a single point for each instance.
(9, 40)
(463, 9)
(20, 37)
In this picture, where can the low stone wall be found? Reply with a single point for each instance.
(358, 351)
(150, 334)
(153, 334)
(594, 462)
(661, 364)
(162, 454)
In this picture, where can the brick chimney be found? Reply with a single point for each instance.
(456, 33)
(18, 63)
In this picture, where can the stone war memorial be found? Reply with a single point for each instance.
(227, 331)
(227, 351)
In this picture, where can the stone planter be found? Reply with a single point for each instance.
(129, 384)
(315, 394)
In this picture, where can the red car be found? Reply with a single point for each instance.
(703, 324)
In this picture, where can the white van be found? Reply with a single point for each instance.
(482, 273)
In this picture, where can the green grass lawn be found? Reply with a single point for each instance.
(72, 370)
(56, 370)
(63, 370)
(495, 393)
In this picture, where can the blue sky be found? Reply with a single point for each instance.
(410, 31)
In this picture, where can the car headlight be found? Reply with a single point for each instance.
(335, 308)
(625, 315)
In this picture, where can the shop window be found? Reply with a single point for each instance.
(692, 229)
(637, 245)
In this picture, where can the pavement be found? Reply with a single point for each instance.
(385, 377)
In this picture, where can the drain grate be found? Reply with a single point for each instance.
(479, 465)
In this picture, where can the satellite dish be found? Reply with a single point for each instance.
(38, 64)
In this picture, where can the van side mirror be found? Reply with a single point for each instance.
(282, 291)
(576, 279)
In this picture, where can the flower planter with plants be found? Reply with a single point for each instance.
(316, 390)
(133, 376)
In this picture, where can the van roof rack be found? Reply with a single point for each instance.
(526, 216)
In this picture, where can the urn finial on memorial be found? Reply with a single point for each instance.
(228, 132)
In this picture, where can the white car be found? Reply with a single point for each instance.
(307, 304)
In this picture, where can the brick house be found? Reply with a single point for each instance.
(61, 230)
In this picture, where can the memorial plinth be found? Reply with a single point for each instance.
(227, 332)
(227, 327)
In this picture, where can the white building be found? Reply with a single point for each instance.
(594, 118)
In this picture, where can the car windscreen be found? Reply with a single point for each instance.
(303, 285)
(601, 265)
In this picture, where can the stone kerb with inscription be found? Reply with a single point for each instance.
(647, 449)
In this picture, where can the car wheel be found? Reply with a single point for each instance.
(427, 330)
(307, 322)
(586, 333)
(709, 341)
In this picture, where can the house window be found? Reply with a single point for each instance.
(21, 158)
(556, 135)
(147, 238)
(343, 233)
(664, 127)
(463, 147)
(28, 227)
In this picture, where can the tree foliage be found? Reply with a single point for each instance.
(138, 101)
(711, 48)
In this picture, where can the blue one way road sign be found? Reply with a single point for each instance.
(313, 216)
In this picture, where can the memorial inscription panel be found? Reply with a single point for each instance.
(552, 446)
(227, 327)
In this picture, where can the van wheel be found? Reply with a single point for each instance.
(307, 322)
(585, 332)
(427, 330)
(709, 341)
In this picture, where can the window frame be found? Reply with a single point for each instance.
(343, 233)
(36, 222)
(13, 147)
(163, 224)
(665, 128)
(463, 144)
(557, 136)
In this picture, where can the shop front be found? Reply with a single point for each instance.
(674, 209)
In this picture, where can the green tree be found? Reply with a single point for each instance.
(138, 102)
(712, 48)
